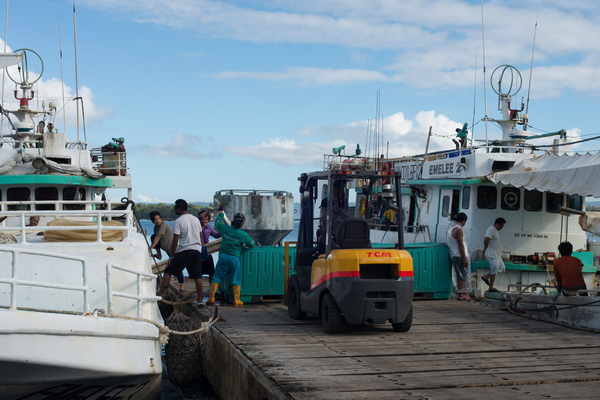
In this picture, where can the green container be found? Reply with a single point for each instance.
(261, 275)
(431, 268)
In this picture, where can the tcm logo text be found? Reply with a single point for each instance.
(379, 254)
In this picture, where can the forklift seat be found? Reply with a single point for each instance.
(353, 233)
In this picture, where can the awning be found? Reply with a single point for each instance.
(570, 174)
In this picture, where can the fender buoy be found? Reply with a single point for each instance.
(386, 169)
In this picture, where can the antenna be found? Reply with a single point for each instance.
(531, 68)
(76, 77)
(4, 69)
(474, 100)
(62, 76)
(487, 150)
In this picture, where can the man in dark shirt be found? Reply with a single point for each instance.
(568, 271)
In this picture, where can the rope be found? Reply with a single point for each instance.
(164, 331)
(513, 310)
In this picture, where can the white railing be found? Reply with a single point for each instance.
(15, 282)
(138, 297)
(92, 215)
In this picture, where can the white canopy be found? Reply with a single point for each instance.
(8, 59)
(570, 174)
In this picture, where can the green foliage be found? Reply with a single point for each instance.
(166, 210)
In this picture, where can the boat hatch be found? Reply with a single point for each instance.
(498, 166)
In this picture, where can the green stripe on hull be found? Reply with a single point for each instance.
(54, 180)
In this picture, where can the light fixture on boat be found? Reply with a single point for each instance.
(38, 163)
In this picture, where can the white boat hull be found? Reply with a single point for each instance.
(46, 354)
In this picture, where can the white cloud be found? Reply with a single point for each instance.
(182, 146)
(404, 137)
(140, 198)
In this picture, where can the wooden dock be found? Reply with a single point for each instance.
(455, 350)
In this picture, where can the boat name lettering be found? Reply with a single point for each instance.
(379, 254)
(411, 171)
(531, 235)
(440, 169)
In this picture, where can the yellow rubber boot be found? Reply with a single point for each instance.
(236, 296)
(211, 295)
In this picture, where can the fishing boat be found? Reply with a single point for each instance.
(538, 189)
(78, 298)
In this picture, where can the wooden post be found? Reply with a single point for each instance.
(428, 137)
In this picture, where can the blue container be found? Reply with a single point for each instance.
(262, 275)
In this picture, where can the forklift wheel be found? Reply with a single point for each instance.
(405, 325)
(293, 298)
(331, 316)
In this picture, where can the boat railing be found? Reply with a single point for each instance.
(138, 297)
(19, 143)
(110, 163)
(75, 221)
(17, 268)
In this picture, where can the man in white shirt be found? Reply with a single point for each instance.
(493, 252)
(459, 254)
(186, 249)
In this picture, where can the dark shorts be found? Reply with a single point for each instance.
(187, 259)
(462, 272)
(208, 266)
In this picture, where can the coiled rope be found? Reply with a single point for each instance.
(164, 331)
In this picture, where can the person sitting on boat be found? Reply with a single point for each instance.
(162, 240)
(186, 249)
(208, 265)
(33, 221)
(233, 238)
(568, 271)
(338, 215)
(492, 251)
(459, 255)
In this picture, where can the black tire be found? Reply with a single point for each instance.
(405, 325)
(331, 316)
(293, 298)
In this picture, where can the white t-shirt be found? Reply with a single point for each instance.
(189, 229)
(494, 243)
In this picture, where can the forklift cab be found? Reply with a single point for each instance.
(345, 273)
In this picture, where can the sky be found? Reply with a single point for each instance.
(249, 94)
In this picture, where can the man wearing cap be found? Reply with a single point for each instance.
(232, 239)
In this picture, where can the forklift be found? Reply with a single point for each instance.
(339, 275)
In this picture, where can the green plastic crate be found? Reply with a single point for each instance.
(261, 275)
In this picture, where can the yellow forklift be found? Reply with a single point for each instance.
(339, 275)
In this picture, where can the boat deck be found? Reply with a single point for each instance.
(455, 349)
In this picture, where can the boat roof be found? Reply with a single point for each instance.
(570, 174)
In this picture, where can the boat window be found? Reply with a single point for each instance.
(466, 199)
(554, 202)
(533, 200)
(445, 206)
(575, 202)
(486, 197)
(510, 198)
(72, 193)
(18, 194)
(44, 194)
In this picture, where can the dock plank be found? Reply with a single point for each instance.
(454, 350)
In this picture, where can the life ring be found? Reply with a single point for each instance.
(386, 169)
(511, 199)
